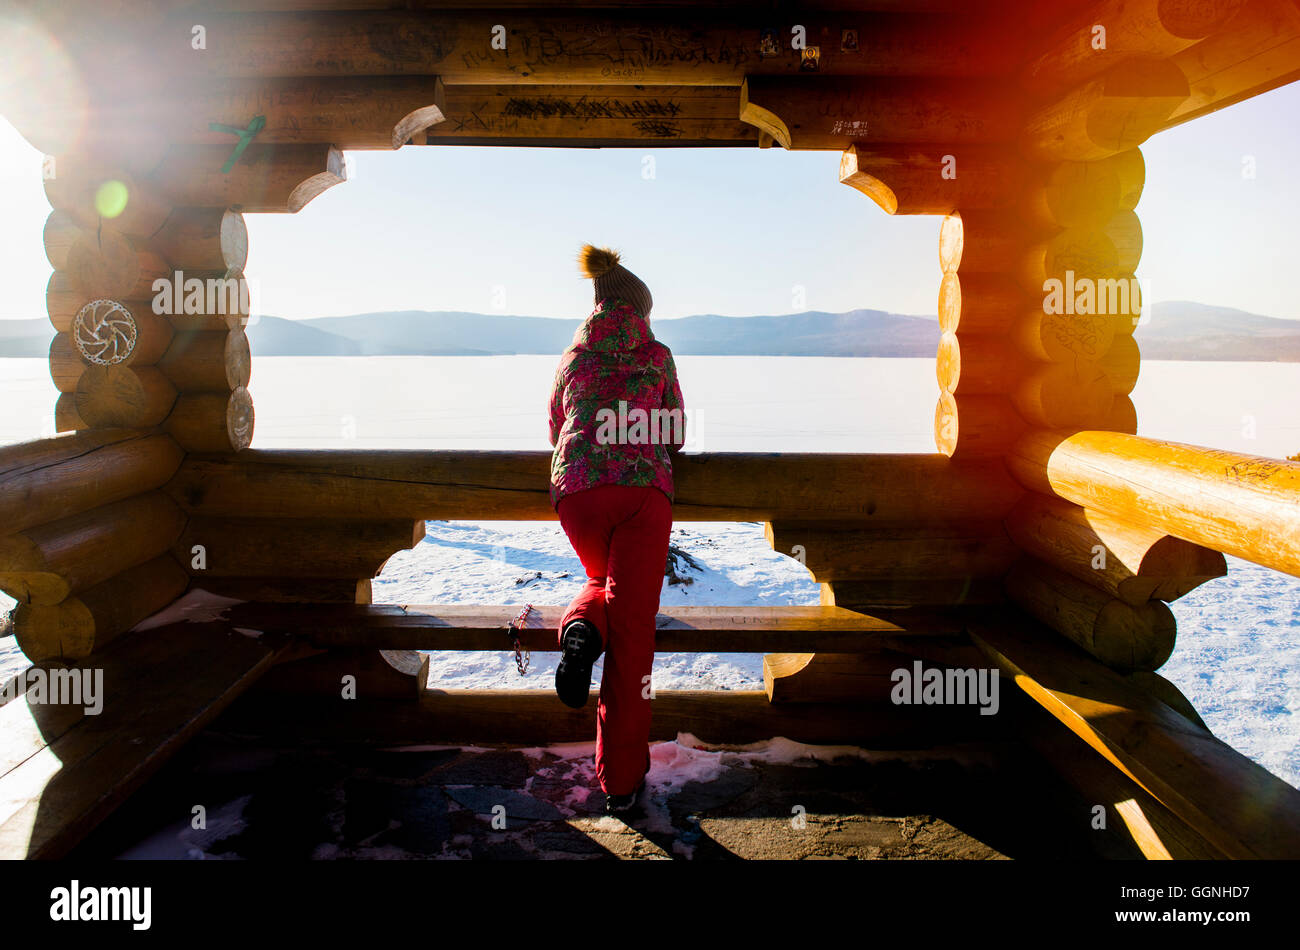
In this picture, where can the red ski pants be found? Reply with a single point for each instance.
(620, 532)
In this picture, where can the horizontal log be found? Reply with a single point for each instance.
(60, 233)
(1167, 693)
(88, 190)
(1123, 636)
(208, 361)
(266, 178)
(834, 112)
(1064, 395)
(44, 481)
(978, 364)
(1123, 415)
(710, 49)
(1143, 30)
(104, 263)
(983, 241)
(66, 364)
(1122, 361)
(879, 595)
(831, 677)
(124, 396)
(282, 547)
(1111, 251)
(46, 563)
(513, 485)
(66, 418)
(1254, 52)
(213, 422)
(591, 114)
(205, 300)
(537, 717)
(305, 590)
(975, 426)
(63, 301)
(373, 675)
(981, 302)
(1244, 505)
(92, 618)
(1087, 194)
(1117, 111)
(373, 112)
(25, 457)
(1058, 337)
(203, 239)
(1238, 806)
(677, 629)
(932, 180)
(1133, 563)
(975, 549)
(1131, 811)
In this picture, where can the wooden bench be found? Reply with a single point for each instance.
(679, 629)
(62, 769)
(1241, 809)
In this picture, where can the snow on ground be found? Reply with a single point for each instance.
(518, 562)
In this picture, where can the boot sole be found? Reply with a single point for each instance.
(581, 647)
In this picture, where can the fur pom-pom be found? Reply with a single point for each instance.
(594, 261)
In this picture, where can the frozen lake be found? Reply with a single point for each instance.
(1238, 653)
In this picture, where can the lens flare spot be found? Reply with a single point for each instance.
(110, 199)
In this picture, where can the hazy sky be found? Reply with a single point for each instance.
(731, 231)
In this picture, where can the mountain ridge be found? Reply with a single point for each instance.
(1177, 330)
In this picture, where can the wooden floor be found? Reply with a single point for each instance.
(295, 801)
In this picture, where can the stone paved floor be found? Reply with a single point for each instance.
(769, 801)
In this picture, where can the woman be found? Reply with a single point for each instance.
(616, 414)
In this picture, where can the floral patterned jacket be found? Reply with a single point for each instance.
(616, 409)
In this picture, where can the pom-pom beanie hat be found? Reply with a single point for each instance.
(612, 279)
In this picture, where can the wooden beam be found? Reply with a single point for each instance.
(52, 479)
(1243, 505)
(537, 717)
(85, 623)
(1235, 804)
(832, 677)
(62, 772)
(213, 422)
(1257, 50)
(910, 593)
(707, 48)
(1115, 112)
(1125, 560)
(283, 547)
(883, 551)
(1123, 636)
(1131, 812)
(968, 427)
(677, 629)
(830, 112)
(1078, 51)
(591, 115)
(46, 563)
(302, 590)
(920, 180)
(513, 485)
(266, 178)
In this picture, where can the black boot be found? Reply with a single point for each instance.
(581, 645)
(622, 804)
